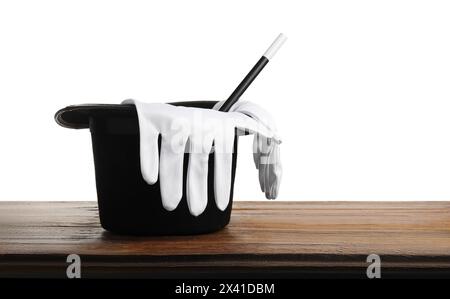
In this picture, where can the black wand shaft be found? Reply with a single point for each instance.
(242, 87)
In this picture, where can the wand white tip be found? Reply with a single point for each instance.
(275, 46)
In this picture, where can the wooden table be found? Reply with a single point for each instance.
(264, 239)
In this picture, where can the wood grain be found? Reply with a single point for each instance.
(281, 239)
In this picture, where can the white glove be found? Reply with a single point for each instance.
(193, 129)
(266, 149)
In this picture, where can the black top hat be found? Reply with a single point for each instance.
(127, 204)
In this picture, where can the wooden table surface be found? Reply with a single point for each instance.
(263, 239)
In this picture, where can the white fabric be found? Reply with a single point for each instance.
(192, 130)
(266, 149)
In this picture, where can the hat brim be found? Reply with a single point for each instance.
(78, 116)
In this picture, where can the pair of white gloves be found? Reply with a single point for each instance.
(195, 130)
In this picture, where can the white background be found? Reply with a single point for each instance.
(360, 90)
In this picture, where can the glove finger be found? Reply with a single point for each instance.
(256, 152)
(171, 171)
(268, 175)
(223, 168)
(197, 177)
(274, 172)
(149, 153)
